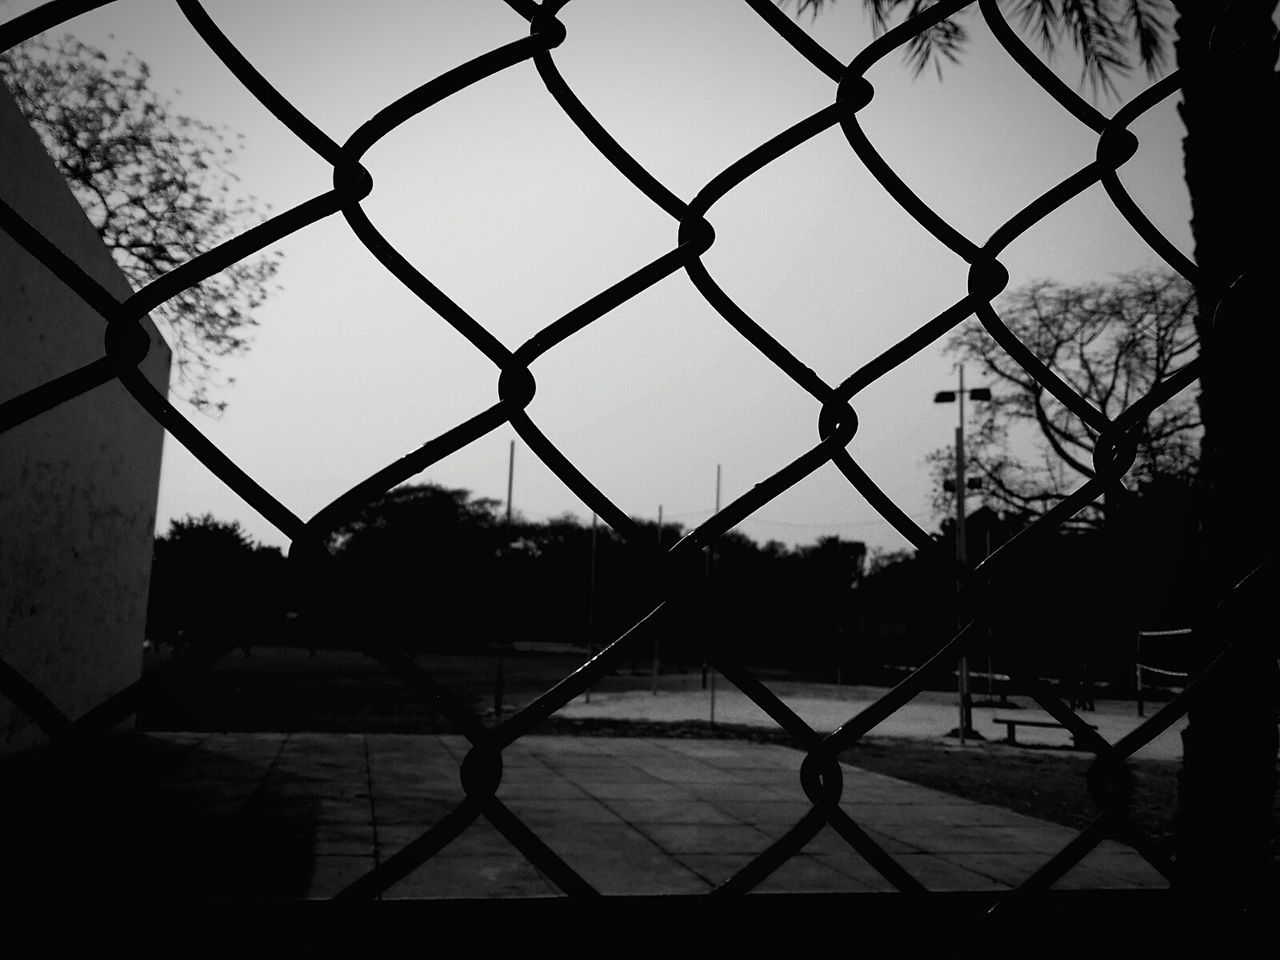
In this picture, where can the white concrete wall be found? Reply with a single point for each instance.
(78, 484)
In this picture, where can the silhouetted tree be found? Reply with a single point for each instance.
(1112, 344)
(206, 570)
(417, 569)
(906, 611)
(1102, 32)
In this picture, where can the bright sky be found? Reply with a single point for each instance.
(499, 200)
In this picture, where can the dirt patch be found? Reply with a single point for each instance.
(1047, 783)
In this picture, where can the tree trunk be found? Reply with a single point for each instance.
(1231, 102)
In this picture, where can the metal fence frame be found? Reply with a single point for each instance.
(680, 567)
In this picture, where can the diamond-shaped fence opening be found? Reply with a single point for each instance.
(500, 796)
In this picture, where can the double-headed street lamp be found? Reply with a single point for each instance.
(965, 729)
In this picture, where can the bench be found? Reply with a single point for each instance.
(1012, 725)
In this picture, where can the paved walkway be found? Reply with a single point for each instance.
(304, 815)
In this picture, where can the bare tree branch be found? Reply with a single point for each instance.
(157, 188)
(1113, 344)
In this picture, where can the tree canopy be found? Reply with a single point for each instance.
(1112, 343)
(433, 568)
(158, 188)
(203, 570)
(1104, 33)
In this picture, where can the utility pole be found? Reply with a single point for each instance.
(657, 664)
(711, 550)
(591, 596)
(498, 681)
(591, 600)
(511, 476)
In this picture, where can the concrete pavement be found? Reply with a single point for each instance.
(304, 815)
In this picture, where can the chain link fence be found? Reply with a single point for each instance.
(676, 586)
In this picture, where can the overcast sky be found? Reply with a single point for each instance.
(500, 201)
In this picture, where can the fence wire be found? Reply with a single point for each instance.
(678, 570)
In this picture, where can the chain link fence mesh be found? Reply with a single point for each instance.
(677, 579)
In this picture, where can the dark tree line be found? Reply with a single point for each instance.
(441, 570)
(425, 569)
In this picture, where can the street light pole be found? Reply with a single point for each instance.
(962, 555)
(965, 730)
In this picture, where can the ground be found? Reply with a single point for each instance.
(281, 689)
